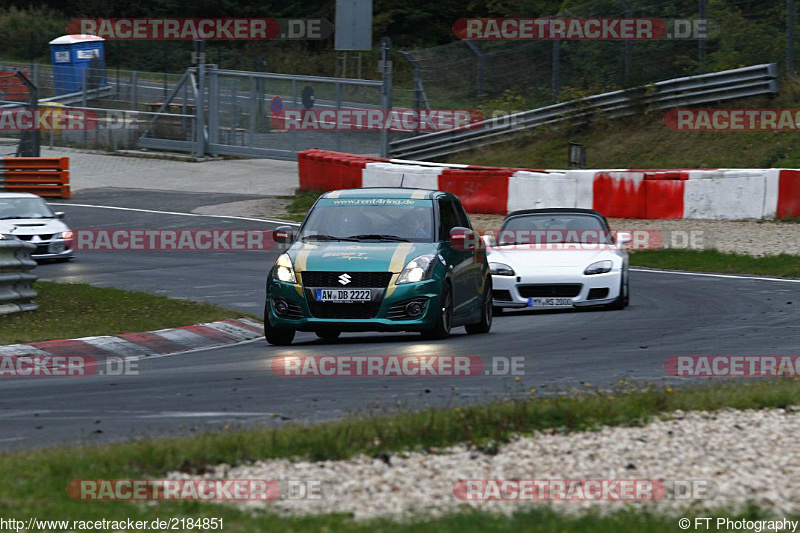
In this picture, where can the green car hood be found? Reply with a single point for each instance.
(357, 256)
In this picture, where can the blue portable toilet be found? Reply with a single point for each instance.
(71, 55)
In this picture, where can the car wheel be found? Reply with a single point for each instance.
(444, 320)
(276, 336)
(485, 323)
(621, 301)
(328, 335)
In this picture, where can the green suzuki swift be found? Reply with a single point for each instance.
(379, 259)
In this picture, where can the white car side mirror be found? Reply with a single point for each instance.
(623, 237)
(489, 240)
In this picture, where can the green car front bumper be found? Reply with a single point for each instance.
(387, 312)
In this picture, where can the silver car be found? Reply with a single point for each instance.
(29, 218)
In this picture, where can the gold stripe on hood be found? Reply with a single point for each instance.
(300, 261)
(396, 265)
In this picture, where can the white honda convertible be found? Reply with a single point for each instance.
(558, 258)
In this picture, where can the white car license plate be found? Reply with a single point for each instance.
(344, 295)
(549, 302)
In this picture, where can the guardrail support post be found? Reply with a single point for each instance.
(386, 89)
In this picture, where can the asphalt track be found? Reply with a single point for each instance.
(670, 314)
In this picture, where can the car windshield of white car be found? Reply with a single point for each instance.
(547, 228)
(16, 208)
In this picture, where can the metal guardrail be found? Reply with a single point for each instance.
(16, 281)
(691, 90)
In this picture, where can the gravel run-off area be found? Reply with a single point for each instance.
(737, 457)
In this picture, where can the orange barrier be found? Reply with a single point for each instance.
(44, 176)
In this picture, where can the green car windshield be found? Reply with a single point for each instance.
(370, 219)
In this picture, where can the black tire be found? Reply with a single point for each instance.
(328, 335)
(444, 321)
(276, 336)
(485, 323)
(621, 301)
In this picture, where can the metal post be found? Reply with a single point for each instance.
(628, 45)
(338, 87)
(251, 133)
(33, 103)
(294, 106)
(790, 37)
(213, 106)
(556, 83)
(134, 94)
(36, 75)
(200, 129)
(386, 89)
(701, 42)
(479, 71)
(85, 101)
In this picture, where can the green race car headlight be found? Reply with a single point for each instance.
(284, 270)
(418, 269)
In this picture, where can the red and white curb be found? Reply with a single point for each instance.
(161, 342)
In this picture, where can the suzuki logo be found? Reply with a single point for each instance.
(344, 279)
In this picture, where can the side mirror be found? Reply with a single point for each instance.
(623, 238)
(283, 235)
(60, 214)
(488, 240)
(463, 238)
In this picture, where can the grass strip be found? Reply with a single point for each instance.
(69, 310)
(782, 265)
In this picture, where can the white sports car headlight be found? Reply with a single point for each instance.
(500, 269)
(600, 267)
(284, 270)
(418, 269)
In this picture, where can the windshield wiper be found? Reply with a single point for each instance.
(323, 237)
(378, 237)
(19, 218)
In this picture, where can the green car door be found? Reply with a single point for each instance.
(461, 263)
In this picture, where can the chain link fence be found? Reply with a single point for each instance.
(528, 74)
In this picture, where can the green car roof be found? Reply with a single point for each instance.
(386, 192)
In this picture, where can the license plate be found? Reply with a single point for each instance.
(344, 295)
(549, 302)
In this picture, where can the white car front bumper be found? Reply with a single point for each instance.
(556, 291)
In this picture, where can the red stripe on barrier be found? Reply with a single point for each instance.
(322, 170)
(479, 191)
(663, 198)
(618, 196)
(788, 194)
